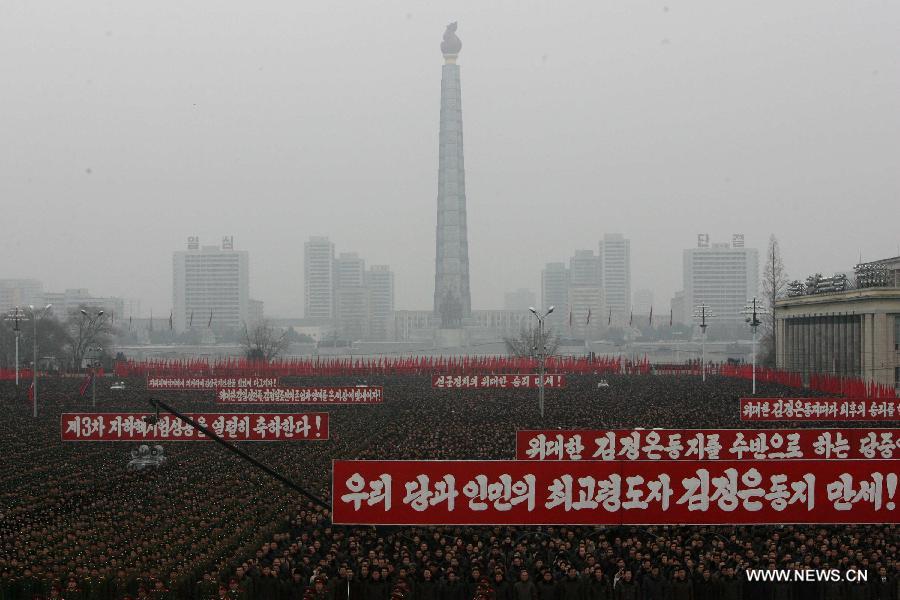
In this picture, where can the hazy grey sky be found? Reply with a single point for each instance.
(128, 126)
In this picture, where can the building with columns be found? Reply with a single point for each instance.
(855, 333)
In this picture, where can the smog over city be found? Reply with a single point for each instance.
(395, 300)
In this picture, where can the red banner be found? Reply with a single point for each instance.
(208, 383)
(250, 427)
(819, 409)
(708, 444)
(496, 381)
(622, 493)
(361, 394)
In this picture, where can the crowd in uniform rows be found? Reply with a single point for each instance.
(75, 523)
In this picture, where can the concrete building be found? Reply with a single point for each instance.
(452, 299)
(20, 292)
(851, 334)
(585, 294)
(257, 312)
(677, 308)
(351, 297)
(520, 299)
(555, 291)
(380, 285)
(71, 301)
(722, 275)
(318, 279)
(211, 285)
(615, 257)
(642, 302)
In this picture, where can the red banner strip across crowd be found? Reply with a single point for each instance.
(620, 493)
(708, 444)
(361, 394)
(256, 427)
(496, 381)
(820, 409)
(471, 365)
(208, 383)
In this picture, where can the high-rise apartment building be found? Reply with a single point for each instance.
(721, 275)
(351, 296)
(380, 285)
(555, 290)
(211, 286)
(585, 292)
(318, 277)
(615, 258)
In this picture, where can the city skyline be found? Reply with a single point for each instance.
(621, 144)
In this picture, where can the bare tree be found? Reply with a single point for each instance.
(261, 342)
(87, 328)
(527, 343)
(774, 287)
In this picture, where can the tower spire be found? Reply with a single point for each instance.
(452, 301)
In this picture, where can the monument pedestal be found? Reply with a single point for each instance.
(450, 338)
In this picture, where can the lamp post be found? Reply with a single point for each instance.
(541, 354)
(752, 312)
(92, 319)
(16, 315)
(95, 362)
(34, 365)
(701, 314)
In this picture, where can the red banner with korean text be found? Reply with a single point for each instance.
(820, 409)
(511, 380)
(249, 427)
(208, 383)
(361, 394)
(708, 444)
(615, 493)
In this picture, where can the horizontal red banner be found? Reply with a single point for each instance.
(208, 383)
(362, 394)
(496, 381)
(250, 427)
(621, 493)
(708, 444)
(820, 409)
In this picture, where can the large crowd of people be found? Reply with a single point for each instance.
(75, 523)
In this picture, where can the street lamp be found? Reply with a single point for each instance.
(34, 366)
(541, 354)
(92, 319)
(701, 314)
(16, 315)
(752, 312)
(95, 351)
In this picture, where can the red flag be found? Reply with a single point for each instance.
(570, 317)
(631, 318)
(651, 317)
(670, 317)
(588, 321)
(86, 384)
(609, 320)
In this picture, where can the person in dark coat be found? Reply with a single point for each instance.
(570, 587)
(503, 589)
(427, 588)
(626, 588)
(884, 587)
(731, 587)
(546, 586)
(524, 588)
(597, 587)
(453, 589)
(653, 586)
(705, 588)
(682, 588)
